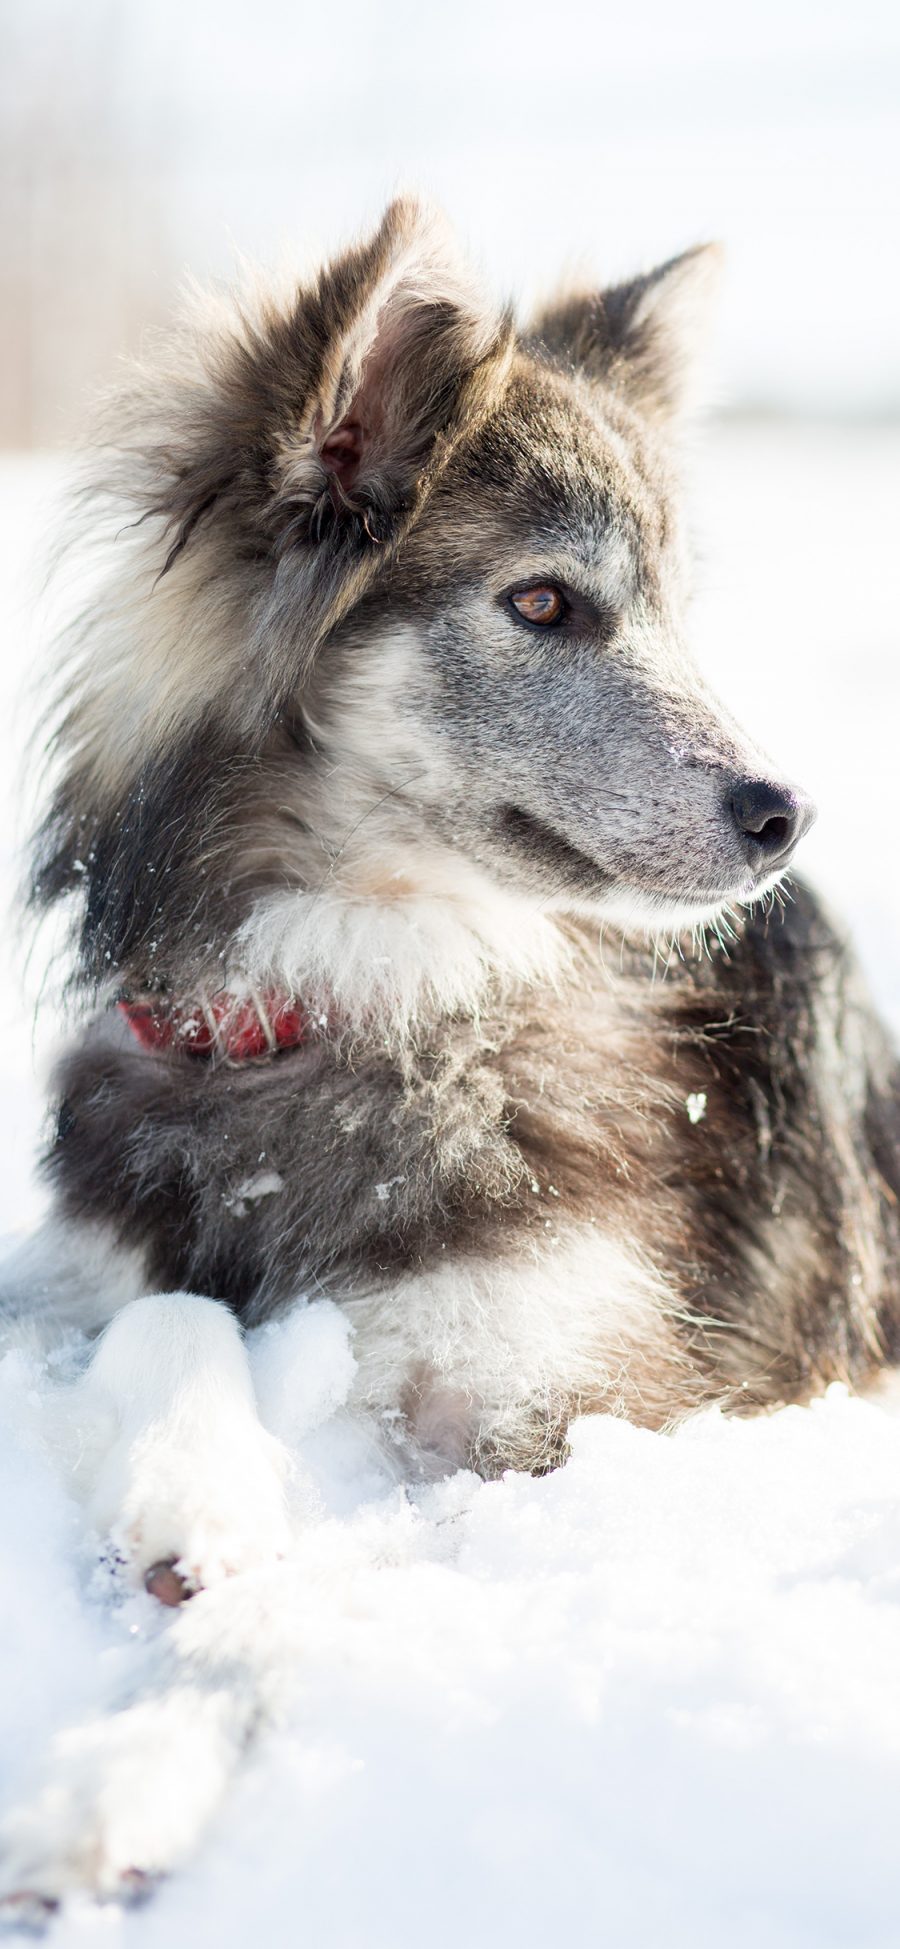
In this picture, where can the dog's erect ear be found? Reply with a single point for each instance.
(395, 328)
(644, 338)
(283, 442)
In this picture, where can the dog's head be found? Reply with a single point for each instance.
(402, 606)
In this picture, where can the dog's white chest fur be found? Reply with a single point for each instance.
(475, 1350)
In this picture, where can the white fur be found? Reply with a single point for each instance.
(490, 1344)
(172, 1459)
(162, 1438)
(66, 1277)
(380, 965)
(188, 1474)
(173, 1462)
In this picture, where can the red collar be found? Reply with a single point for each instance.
(237, 1028)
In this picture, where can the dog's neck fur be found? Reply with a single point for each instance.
(384, 926)
(386, 948)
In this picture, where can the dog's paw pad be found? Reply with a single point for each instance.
(25, 1912)
(187, 1520)
(137, 1886)
(168, 1585)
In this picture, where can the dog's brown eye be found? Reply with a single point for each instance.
(542, 604)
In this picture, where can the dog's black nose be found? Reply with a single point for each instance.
(770, 819)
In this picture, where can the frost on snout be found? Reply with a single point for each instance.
(713, 825)
(737, 824)
(624, 788)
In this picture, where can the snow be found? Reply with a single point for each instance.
(650, 1698)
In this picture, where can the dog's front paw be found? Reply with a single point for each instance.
(189, 1487)
(183, 1514)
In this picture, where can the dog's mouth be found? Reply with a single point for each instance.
(580, 877)
(547, 848)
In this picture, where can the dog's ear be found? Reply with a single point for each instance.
(275, 451)
(644, 338)
(392, 335)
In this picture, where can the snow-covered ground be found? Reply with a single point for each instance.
(651, 1699)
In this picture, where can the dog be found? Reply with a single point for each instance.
(426, 930)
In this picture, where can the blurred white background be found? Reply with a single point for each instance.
(140, 140)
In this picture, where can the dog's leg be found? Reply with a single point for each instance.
(124, 1797)
(178, 1464)
(177, 1468)
(65, 1279)
(161, 1429)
